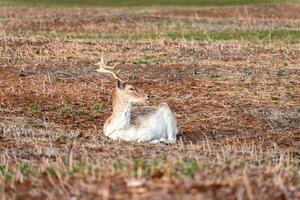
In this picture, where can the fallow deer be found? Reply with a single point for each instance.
(157, 126)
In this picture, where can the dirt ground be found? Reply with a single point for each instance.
(237, 105)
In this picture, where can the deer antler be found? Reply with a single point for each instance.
(103, 68)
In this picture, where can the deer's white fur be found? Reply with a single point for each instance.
(159, 126)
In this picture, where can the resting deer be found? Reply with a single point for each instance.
(157, 126)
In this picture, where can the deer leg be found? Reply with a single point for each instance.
(154, 142)
(170, 122)
(165, 141)
(171, 129)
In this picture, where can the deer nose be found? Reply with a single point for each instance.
(147, 96)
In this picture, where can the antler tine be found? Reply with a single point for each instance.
(103, 68)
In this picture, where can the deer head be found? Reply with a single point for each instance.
(124, 91)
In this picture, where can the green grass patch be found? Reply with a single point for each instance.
(128, 3)
(287, 36)
(5, 173)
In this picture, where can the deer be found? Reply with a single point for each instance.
(153, 124)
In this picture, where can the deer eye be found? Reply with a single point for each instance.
(131, 89)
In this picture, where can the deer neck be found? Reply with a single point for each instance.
(121, 112)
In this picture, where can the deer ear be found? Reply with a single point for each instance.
(120, 85)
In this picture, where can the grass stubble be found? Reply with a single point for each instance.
(236, 101)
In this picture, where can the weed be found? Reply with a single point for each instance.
(142, 61)
(215, 75)
(35, 109)
(248, 71)
(281, 73)
(118, 166)
(66, 109)
(81, 111)
(26, 169)
(35, 124)
(196, 73)
(51, 171)
(190, 167)
(140, 167)
(5, 173)
(97, 107)
(228, 161)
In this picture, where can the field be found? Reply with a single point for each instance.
(230, 73)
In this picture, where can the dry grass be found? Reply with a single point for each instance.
(236, 101)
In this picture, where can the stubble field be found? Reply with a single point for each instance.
(231, 74)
